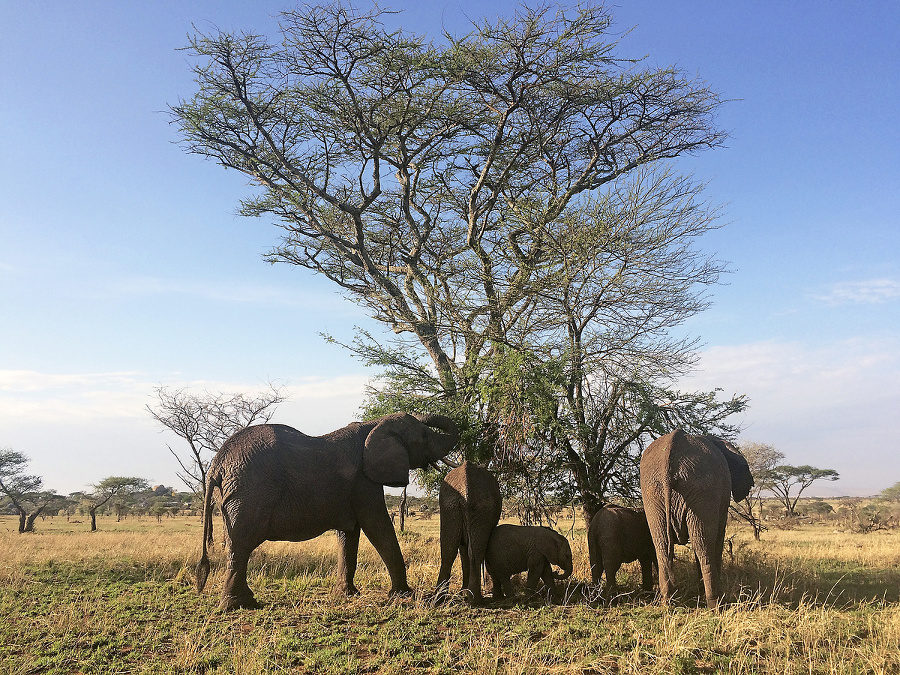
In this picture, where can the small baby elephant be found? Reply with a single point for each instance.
(619, 535)
(517, 548)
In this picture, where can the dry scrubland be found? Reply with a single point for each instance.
(122, 600)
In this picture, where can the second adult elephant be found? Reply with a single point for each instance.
(470, 506)
(522, 548)
(620, 535)
(687, 482)
(278, 484)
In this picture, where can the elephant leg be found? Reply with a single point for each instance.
(538, 568)
(451, 534)
(478, 543)
(379, 530)
(659, 528)
(611, 589)
(236, 593)
(595, 556)
(704, 552)
(348, 552)
(464, 563)
(646, 574)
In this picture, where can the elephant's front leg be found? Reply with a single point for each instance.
(378, 528)
(348, 544)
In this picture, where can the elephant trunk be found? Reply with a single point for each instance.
(566, 573)
(444, 442)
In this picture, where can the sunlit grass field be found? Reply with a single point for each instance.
(122, 600)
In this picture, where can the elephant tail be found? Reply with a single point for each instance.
(203, 566)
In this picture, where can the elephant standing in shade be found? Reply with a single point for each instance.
(619, 535)
(278, 484)
(686, 483)
(519, 548)
(470, 506)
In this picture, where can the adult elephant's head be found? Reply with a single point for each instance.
(401, 442)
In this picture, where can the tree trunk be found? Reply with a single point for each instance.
(403, 510)
(93, 512)
(22, 516)
(29, 522)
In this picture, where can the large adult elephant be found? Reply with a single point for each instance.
(278, 484)
(470, 504)
(687, 482)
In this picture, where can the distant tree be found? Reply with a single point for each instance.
(23, 491)
(891, 493)
(783, 480)
(762, 458)
(205, 421)
(110, 487)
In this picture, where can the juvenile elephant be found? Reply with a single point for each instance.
(278, 484)
(519, 548)
(686, 483)
(470, 504)
(619, 535)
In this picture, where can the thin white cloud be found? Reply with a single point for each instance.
(832, 406)
(77, 428)
(869, 292)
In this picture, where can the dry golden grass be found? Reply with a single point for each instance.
(121, 600)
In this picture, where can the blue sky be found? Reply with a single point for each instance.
(123, 265)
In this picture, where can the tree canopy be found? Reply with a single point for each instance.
(784, 479)
(500, 201)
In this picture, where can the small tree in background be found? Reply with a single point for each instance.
(110, 487)
(891, 493)
(762, 459)
(23, 491)
(784, 479)
(205, 421)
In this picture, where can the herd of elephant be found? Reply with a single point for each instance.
(275, 483)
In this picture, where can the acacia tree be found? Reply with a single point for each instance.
(110, 487)
(783, 479)
(205, 421)
(23, 491)
(762, 459)
(446, 186)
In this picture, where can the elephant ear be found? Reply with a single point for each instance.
(385, 457)
(741, 478)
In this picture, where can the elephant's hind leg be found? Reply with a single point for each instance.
(237, 593)
(451, 537)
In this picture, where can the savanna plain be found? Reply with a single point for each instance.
(122, 600)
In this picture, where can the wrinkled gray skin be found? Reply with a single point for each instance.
(519, 548)
(278, 484)
(470, 505)
(619, 535)
(686, 483)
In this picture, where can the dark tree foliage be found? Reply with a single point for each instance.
(499, 200)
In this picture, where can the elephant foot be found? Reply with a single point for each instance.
(347, 589)
(404, 592)
(232, 602)
(474, 599)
